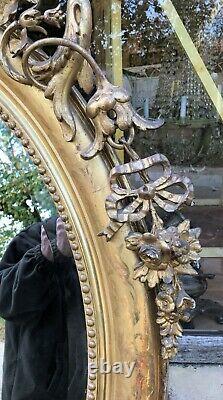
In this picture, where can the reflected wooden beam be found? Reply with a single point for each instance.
(193, 55)
(212, 252)
(114, 65)
(113, 28)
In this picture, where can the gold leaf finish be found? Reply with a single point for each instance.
(116, 101)
(79, 191)
(163, 253)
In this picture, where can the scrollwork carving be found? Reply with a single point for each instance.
(71, 63)
(55, 74)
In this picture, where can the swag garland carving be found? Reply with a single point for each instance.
(164, 253)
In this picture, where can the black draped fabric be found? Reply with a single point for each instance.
(45, 349)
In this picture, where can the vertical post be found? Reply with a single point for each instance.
(113, 29)
(193, 55)
(116, 37)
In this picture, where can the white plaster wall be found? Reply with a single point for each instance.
(196, 382)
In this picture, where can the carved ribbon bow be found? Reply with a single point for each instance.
(132, 205)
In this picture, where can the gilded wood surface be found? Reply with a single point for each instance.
(124, 315)
(2, 6)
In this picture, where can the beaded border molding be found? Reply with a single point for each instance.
(9, 121)
(164, 253)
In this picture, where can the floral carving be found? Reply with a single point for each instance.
(184, 303)
(170, 313)
(169, 347)
(165, 255)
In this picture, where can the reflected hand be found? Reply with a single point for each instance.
(46, 248)
(62, 242)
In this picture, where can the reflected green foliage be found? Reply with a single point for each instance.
(23, 197)
(164, 82)
(147, 31)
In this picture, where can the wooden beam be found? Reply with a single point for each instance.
(200, 349)
(109, 11)
(193, 55)
(113, 29)
(212, 252)
(114, 66)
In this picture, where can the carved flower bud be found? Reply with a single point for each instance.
(168, 342)
(151, 255)
(133, 240)
(180, 248)
(165, 302)
(184, 302)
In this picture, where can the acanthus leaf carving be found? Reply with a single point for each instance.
(110, 108)
(56, 74)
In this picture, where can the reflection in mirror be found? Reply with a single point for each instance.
(42, 326)
(163, 82)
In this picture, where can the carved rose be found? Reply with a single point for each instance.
(166, 253)
(173, 305)
(165, 302)
(169, 324)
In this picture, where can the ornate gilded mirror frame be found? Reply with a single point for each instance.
(128, 267)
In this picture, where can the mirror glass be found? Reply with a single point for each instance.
(43, 350)
(163, 82)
